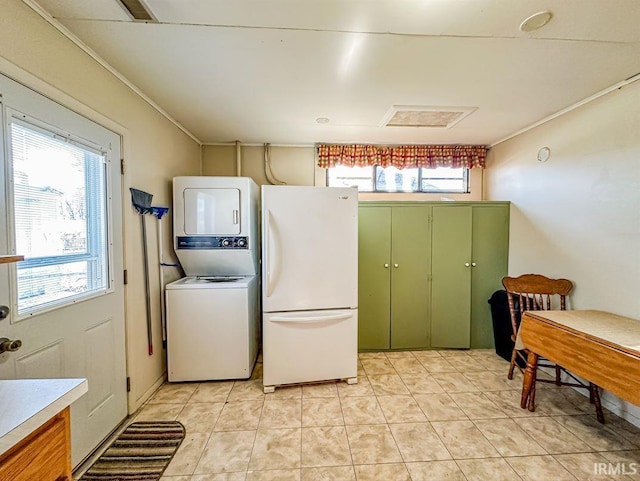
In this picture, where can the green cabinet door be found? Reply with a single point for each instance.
(451, 276)
(490, 256)
(374, 250)
(410, 270)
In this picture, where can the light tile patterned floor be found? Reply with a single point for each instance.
(420, 415)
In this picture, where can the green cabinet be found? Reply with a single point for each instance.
(451, 275)
(426, 271)
(374, 281)
(491, 255)
(470, 257)
(393, 276)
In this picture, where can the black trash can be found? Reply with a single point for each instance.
(502, 329)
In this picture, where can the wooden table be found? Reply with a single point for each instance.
(601, 347)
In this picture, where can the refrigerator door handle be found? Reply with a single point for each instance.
(303, 319)
(270, 256)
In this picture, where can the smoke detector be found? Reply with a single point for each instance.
(425, 116)
(535, 21)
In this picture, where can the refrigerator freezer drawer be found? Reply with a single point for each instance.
(310, 346)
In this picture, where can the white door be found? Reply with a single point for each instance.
(211, 211)
(60, 177)
(310, 248)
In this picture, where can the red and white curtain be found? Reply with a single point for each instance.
(402, 156)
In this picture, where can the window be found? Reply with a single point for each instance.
(60, 216)
(391, 179)
(360, 177)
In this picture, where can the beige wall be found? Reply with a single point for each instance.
(219, 160)
(578, 214)
(297, 166)
(36, 54)
(293, 165)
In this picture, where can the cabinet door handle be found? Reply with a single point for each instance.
(396, 265)
(473, 264)
(466, 264)
(386, 266)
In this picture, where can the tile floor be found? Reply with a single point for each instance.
(421, 416)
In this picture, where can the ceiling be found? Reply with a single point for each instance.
(262, 71)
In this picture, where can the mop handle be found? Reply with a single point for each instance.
(146, 283)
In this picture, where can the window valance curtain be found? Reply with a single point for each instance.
(402, 156)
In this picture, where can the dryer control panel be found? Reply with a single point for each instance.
(212, 242)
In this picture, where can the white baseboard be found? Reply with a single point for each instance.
(620, 407)
(137, 404)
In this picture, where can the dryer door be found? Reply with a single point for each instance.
(211, 211)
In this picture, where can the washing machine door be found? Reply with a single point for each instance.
(211, 212)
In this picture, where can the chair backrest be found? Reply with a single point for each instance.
(534, 292)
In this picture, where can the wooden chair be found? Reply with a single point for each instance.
(534, 292)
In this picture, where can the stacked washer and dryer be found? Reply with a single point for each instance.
(213, 314)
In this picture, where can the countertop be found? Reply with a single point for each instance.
(26, 404)
(7, 259)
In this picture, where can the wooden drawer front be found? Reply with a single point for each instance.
(42, 456)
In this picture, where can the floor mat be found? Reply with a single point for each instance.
(140, 453)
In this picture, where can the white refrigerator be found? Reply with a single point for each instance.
(309, 284)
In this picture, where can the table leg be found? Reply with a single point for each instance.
(593, 393)
(532, 396)
(529, 378)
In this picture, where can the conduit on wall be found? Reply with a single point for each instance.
(238, 159)
(162, 263)
(267, 167)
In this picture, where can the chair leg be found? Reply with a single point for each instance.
(593, 393)
(558, 375)
(512, 364)
(529, 382)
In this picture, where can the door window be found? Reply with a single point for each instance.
(60, 216)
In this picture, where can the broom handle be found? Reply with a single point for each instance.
(146, 283)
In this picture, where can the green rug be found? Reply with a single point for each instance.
(140, 453)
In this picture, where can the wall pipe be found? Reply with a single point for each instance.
(268, 173)
(163, 312)
(238, 159)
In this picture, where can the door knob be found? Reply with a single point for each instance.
(4, 312)
(396, 265)
(9, 345)
(386, 266)
(466, 264)
(473, 264)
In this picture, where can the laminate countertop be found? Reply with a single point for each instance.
(26, 404)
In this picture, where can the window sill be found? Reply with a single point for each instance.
(414, 196)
